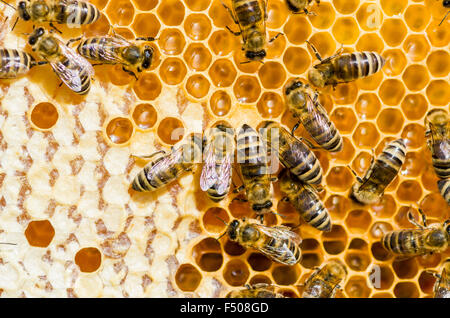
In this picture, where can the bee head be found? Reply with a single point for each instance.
(446, 3)
(32, 40)
(437, 238)
(22, 9)
(233, 229)
(148, 55)
(316, 77)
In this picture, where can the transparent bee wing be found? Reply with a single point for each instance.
(70, 77)
(318, 113)
(77, 59)
(279, 232)
(209, 175)
(224, 177)
(165, 162)
(109, 53)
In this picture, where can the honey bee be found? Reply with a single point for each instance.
(343, 68)
(260, 290)
(251, 16)
(446, 4)
(292, 153)
(254, 168)
(73, 69)
(117, 50)
(424, 239)
(437, 122)
(369, 189)
(305, 200)
(219, 153)
(277, 242)
(14, 63)
(300, 6)
(324, 282)
(165, 168)
(71, 12)
(312, 115)
(444, 188)
(442, 285)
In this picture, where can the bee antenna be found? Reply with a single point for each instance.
(221, 220)
(8, 5)
(17, 20)
(281, 215)
(4, 243)
(444, 18)
(217, 239)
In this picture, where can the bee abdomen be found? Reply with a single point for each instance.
(441, 167)
(444, 188)
(141, 183)
(250, 148)
(316, 215)
(78, 12)
(248, 12)
(358, 65)
(95, 49)
(14, 63)
(401, 242)
(329, 139)
(309, 170)
(394, 154)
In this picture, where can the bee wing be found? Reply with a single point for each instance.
(279, 232)
(165, 162)
(209, 174)
(318, 113)
(224, 177)
(77, 59)
(111, 54)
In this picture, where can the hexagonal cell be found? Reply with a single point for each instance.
(416, 47)
(39, 233)
(416, 77)
(362, 162)
(170, 130)
(171, 12)
(358, 221)
(260, 279)
(145, 5)
(236, 272)
(345, 30)
(171, 41)
(395, 62)
(208, 254)
(275, 48)
(356, 287)
(429, 178)
(379, 252)
(413, 165)
(358, 244)
(390, 121)
(346, 6)
(378, 229)
(220, 103)
(386, 277)
(119, 130)
(366, 135)
(247, 89)
(414, 106)
(417, 17)
(121, 13)
(197, 5)
(188, 278)
(401, 217)
(259, 262)
(147, 87)
(296, 60)
(344, 119)
(438, 92)
(286, 275)
(438, 35)
(324, 16)
(338, 206)
(172, 71)
(393, 31)
(272, 75)
(197, 57)
(393, 7)
(385, 208)
(429, 260)
(146, 24)
(212, 219)
(222, 42)
(391, 92)
(277, 13)
(222, 73)
(409, 190)
(270, 105)
(144, 116)
(100, 4)
(240, 209)
(426, 282)
(339, 178)
(414, 135)
(357, 261)
(197, 26)
(347, 152)
(335, 241)
(221, 16)
(370, 42)
(438, 63)
(405, 268)
(100, 27)
(311, 260)
(88, 259)
(369, 16)
(233, 248)
(297, 29)
(433, 205)
(367, 106)
(117, 75)
(197, 86)
(309, 244)
(406, 290)
(44, 115)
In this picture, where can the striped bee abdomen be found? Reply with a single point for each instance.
(441, 158)
(444, 188)
(248, 12)
(251, 150)
(98, 49)
(404, 242)
(326, 136)
(311, 209)
(85, 77)
(290, 253)
(14, 63)
(352, 66)
(77, 12)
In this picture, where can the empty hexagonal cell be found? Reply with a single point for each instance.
(197, 26)
(414, 106)
(413, 165)
(197, 57)
(416, 77)
(438, 92)
(346, 6)
(172, 71)
(369, 16)
(88, 259)
(147, 87)
(438, 63)
(324, 16)
(433, 205)
(119, 130)
(44, 115)
(367, 106)
(409, 190)
(337, 205)
(344, 119)
(259, 262)
(197, 86)
(222, 73)
(39, 233)
(220, 103)
(121, 12)
(236, 272)
(145, 5)
(345, 30)
(378, 229)
(170, 130)
(222, 42)
(347, 152)
(171, 41)
(358, 244)
(393, 7)
(286, 275)
(259, 279)
(311, 260)
(385, 208)
(366, 135)
(171, 12)
(417, 17)
(370, 42)
(405, 268)
(214, 218)
(297, 29)
(356, 287)
(379, 252)
(358, 221)
(296, 60)
(406, 290)
(188, 278)
(438, 35)
(247, 89)
(270, 105)
(414, 135)
(208, 254)
(357, 261)
(144, 116)
(383, 277)
(335, 241)
(146, 24)
(392, 92)
(390, 121)
(395, 62)
(272, 75)
(339, 178)
(233, 248)
(393, 31)
(426, 282)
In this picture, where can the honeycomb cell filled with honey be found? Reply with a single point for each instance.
(68, 161)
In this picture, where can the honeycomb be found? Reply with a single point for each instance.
(67, 161)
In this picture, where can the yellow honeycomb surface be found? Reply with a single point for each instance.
(66, 161)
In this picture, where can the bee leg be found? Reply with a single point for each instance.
(412, 220)
(275, 37)
(152, 155)
(445, 17)
(232, 32)
(129, 72)
(433, 273)
(230, 12)
(265, 10)
(335, 289)
(261, 218)
(309, 12)
(424, 217)
(74, 40)
(284, 199)
(316, 53)
(239, 189)
(295, 128)
(53, 27)
(148, 39)
(358, 178)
